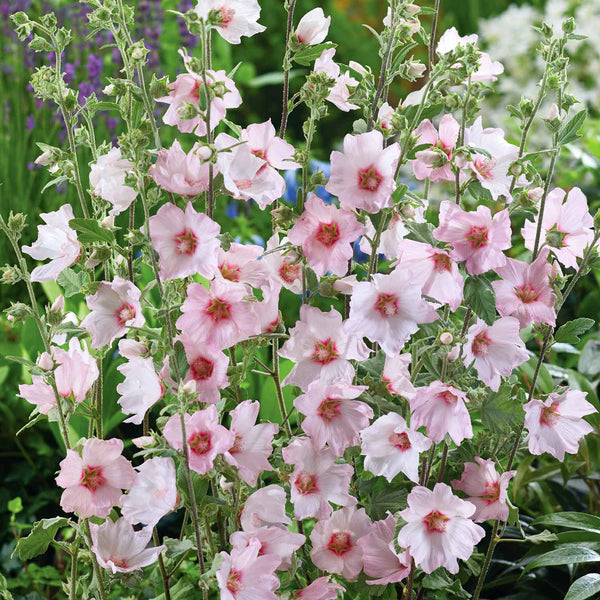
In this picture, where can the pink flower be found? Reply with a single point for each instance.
(76, 372)
(264, 508)
(388, 309)
(525, 291)
(120, 548)
(486, 489)
(335, 546)
(253, 443)
(154, 493)
(218, 317)
(115, 307)
(320, 589)
(56, 241)
(339, 94)
(107, 178)
(186, 242)
(264, 143)
(94, 480)
(438, 529)
(362, 176)
(391, 447)
(241, 264)
(492, 172)
(445, 141)
(180, 173)
(476, 237)
(441, 409)
(333, 417)
(283, 267)
(244, 575)
(236, 18)
(141, 389)
(39, 393)
(379, 557)
(205, 438)
(435, 270)
(556, 425)
(322, 348)
(384, 116)
(316, 480)
(496, 349)
(566, 226)
(326, 234)
(313, 27)
(274, 541)
(397, 376)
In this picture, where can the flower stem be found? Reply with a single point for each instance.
(286, 69)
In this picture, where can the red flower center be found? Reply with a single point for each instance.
(328, 234)
(200, 442)
(387, 305)
(306, 483)
(186, 242)
(125, 313)
(119, 562)
(442, 262)
(436, 521)
(325, 351)
(448, 397)
(218, 309)
(527, 293)
(340, 543)
(230, 272)
(92, 478)
(549, 415)
(369, 179)
(329, 409)
(234, 581)
(290, 272)
(237, 445)
(260, 153)
(484, 165)
(478, 236)
(400, 441)
(227, 15)
(202, 368)
(481, 344)
(492, 492)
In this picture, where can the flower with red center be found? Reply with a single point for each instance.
(478, 236)
(243, 263)
(325, 352)
(236, 18)
(94, 480)
(391, 447)
(556, 425)
(313, 27)
(339, 94)
(140, 390)
(445, 141)
(76, 370)
(486, 489)
(186, 242)
(397, 376)
(369, 179)
(282, 264)
(205, 438)
(334, 542)
(438, 528)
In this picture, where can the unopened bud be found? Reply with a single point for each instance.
(143, 442)
(45, 362)
(412, 9)
(553, 113)
(515, 169)
(408, 211)
(446, 338)
(535, 194)
(568, 26)
(431, 157)
(58, 305)
(224, 484)
(189, 387)
(108, 222)
(416, 69)
(453, 354)
(204, 153)
(109, 90)
(597, 221)
(555, 271)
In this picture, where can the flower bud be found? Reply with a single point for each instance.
(553, 113)
(597, 221)
(416, 69)
(428, 157)
(453, 354)
(515, 169)
(313, 27)
(408, 211)
(143, 442)
(446, 338)
(555, 271)
(58, 305)
(568, 26)
(109, 90)
(45, 362)
(224, 484)
(535, 194)
(204, 153)
(412, 9)
(108, 222)
(189, 387)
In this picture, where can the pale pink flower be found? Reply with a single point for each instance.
(186, 242)
(267, 310)
(263, 142)
(390, 446)
(218, 317)
(326, 234)
(316, 480)
(486, 489)
(283, 267)
(320, 589)
(241, 264)
(154, 493)
(180, 173)
(339, 94)
(556, 425)
(107, 178)
(141, 389)
(476, 237)
(335, 546)
(94, 480)
(391, 237)
(440, 408)
(488, 69)
(362, 176)
(322, 348)
(273, 541)
(332, 415)
(132, 348)
(39, 393)
(205, 438)
(435, 270)
(397, 376)
(444, 141)
(253, 443)
(264, 508)
(496, 349)
(244, 575)
(121, 549)
(236, 18)
(384, 116)
(525, 291)
(379, 557)
(388, 309)
(56, 241)
(76, 371)
(438, 529)
(566, 226)
(313, 27)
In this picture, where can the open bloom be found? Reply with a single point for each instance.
(486, 489)
(242, 263)
(326, 234)
(397, 376)
(444, 141)
(313, 27)
(496, 349)
(335, 546)
(320, 589)
(340, 93)
(121, 549)
(525, 291)
(141, 389)
(566, 226)
(333, 417)
(76, 371)
(391, 447)
(115, 307)
(276, 541)
(107, 178)
(186, 242)
(94, 480)
(476, 237)
(322, 348)
(284, 266)
(39, 393)
(438, 529)
(56, 241)
(205, 438)
(556, 425)
(264, 143)
(235, 18)
(264, 508)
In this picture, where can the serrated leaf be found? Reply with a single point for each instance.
(572, 520)
(568, 555)
(41, 536)
(542, 537)
(178, 370)
(480, 298)
(421, 232)
(589, 360)
(89, 231)
(569, 333)
(584, 587)
(307, 56)
(177, 547)
(500, 411)
(568, 132)
(72, 281)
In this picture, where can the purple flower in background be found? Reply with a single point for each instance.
(30, 123)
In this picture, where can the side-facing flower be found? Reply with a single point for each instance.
(339, 94)
(235, 18)
(264, 508)
(76, 371)
(320, 589)
(141, 389)
(107, 178)
(445, 141)
(397, 376)
(39, 393)
(313, 27)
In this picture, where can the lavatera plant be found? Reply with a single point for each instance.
(410, 385)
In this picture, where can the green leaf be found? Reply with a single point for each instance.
(572, 520)
(307, 56)
(568, 132)
(89, 230)
(15, 506)
(480, 298)
(421, 232)
(72, 281)
(41, 536)
(500, 411)
(177, 547)
(569, 333)
(589, 360)
(568, 555)
(4, 593)
(542, 538)
(584, 587)
(180, 368)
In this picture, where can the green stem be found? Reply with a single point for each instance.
(286, 69)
